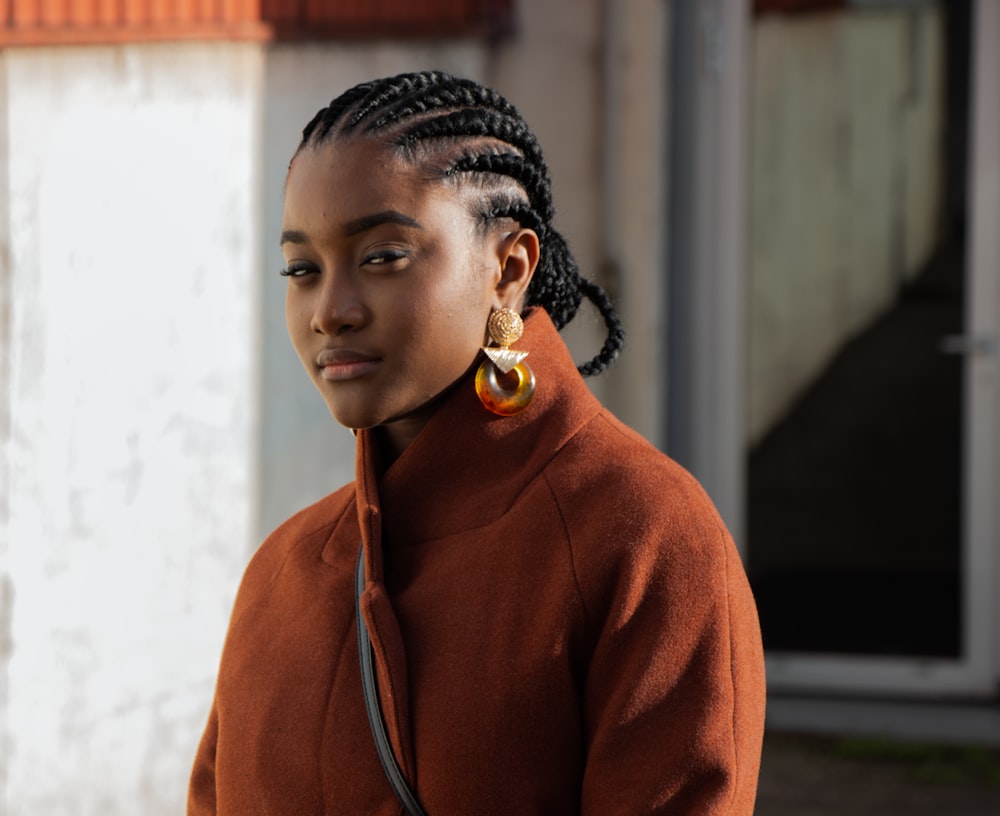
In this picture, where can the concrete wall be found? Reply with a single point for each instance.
(591, 79)
(130, 278)
(846, 180)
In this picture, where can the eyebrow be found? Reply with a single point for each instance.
(357, 226)
(367, 222)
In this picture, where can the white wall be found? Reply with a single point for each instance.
(130, 198)
(847, 174)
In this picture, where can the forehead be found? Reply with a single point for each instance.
(348, 177)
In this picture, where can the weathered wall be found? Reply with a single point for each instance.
(6, 310)
(591, 80)
(846, 180)
(129, 185)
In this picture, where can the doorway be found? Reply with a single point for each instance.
(854, 507)
(870, 582)
(857, 541)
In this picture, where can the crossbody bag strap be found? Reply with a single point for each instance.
(374, 706)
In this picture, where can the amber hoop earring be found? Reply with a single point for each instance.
(505, 327)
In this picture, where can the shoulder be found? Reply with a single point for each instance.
(670, 629)
(637, 523)
(306, 523)
(302, 536)
(608, 469)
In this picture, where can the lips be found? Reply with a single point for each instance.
(337, 365)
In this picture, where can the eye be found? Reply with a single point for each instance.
(298, 269)
(384, 257)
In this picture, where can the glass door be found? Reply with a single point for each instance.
(871, 523)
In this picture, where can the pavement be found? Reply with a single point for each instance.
(819, 775)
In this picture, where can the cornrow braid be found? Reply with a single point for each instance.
(474, 122)
(513, 165)
(481, 135)
(405, 85)
(324, 121)
(616, 332)
(465, 95)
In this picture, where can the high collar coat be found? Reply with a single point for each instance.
(560, 621)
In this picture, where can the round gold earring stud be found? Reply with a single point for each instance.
(505, 327)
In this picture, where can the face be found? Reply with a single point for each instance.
(390, 284)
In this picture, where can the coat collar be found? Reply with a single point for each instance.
(468, 466)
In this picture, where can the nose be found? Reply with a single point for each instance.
(338, 307)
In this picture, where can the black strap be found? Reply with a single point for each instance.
(374, 707)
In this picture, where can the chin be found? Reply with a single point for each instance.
(348, 420)
(351, 418)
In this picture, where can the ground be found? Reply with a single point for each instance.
(824, 776)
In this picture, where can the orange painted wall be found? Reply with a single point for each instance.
(53, 22)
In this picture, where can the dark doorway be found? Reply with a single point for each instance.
(854, 506)
(854, 496)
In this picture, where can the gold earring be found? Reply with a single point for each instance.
(505, 327)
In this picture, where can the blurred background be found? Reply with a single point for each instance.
(795, 203)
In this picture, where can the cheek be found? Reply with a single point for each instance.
(467, 320)
(477, 289)
(297, 322)
(448, 335)
(459, 301)
(292, 313)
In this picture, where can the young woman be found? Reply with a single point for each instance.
(553, 617)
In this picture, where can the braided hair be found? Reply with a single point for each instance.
(479, 136)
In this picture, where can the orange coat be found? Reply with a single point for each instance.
(561, 625)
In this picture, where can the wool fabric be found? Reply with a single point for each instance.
(561, 624)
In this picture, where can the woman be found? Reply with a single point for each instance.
(558, 620)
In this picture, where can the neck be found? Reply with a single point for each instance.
(389, 445)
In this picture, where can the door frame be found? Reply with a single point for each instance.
(982, 387)
(707, 290)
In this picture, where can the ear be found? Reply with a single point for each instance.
(518, 255)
